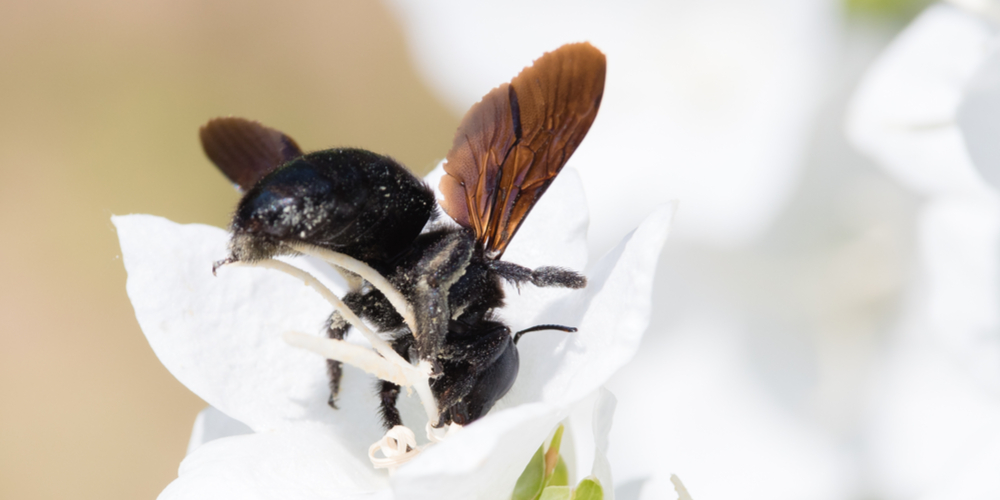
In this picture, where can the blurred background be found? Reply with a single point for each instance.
(100, 103)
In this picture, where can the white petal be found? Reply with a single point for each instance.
(483, 461)
(979, 116)
(604, 412)
(934, 432)
(300, 462)
(692, 404)
(973, 477)
(212, 424)
(221, 335)
(924, 111)
(612, 313)
(903, 113)
(710, 109)
(959, 242)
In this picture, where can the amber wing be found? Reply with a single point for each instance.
(245, 150)
(510, 146)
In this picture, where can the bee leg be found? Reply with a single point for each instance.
(437, 270)
(460, 413)
(557, 276)
(389, 392)
(547, 276)
(336, 328)
(455, 384)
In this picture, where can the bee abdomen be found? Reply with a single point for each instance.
(347, 200)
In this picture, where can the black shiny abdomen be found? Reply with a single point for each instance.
(347, 200)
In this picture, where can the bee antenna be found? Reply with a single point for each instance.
(568, 329)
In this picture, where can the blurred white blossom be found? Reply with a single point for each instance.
(923, 111)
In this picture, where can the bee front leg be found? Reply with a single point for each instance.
(440, 267)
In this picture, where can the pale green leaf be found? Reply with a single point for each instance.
(560, 476)
(552, 456)
(529, 485)
(589, 489)
(557, 493)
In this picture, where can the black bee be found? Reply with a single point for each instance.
(507, 150)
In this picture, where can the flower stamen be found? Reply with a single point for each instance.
(372, 276)
(387, 364)
(311, 281)
(353, 355)
(399, 445)
(436, 435)
(682, 492)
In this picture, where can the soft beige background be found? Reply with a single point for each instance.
(100, 103)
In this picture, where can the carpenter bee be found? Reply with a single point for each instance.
(506, 152)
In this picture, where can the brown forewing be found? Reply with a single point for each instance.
(482, 141)
(512, 144)
(245, 150)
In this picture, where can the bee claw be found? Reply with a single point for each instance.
(436, 369)
(217, 264)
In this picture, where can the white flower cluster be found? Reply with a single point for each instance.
(929, 111)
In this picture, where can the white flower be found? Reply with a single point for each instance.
(922, 112)
(222, 337)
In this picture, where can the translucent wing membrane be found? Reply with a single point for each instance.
(511, 144)
(245, 150)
